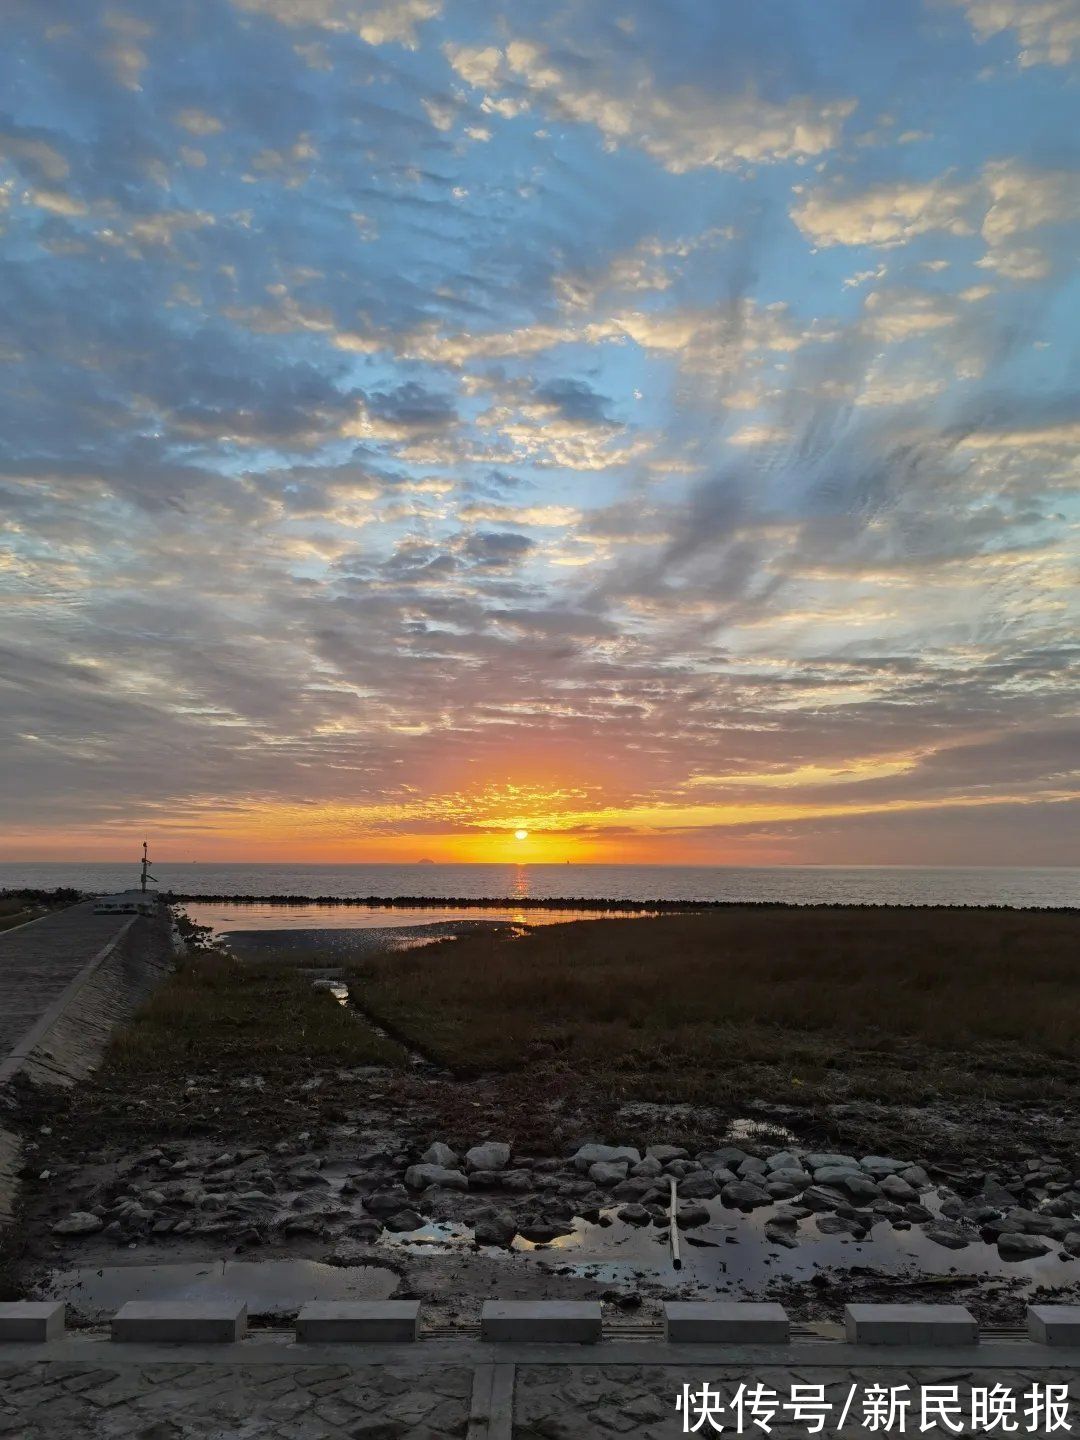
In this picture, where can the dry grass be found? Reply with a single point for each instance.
(773, 1001)
(217, 1014)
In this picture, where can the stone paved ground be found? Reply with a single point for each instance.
(174, 1399)
(169, 1401)
(39, 961)
(556, 1402)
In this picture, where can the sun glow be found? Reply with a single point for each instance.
(521, 834)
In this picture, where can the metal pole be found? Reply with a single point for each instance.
(673, 1226)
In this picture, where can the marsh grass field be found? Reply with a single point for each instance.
(776, 1004)
(795, 1006)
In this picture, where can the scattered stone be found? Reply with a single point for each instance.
(79, 1222)
(495, 1227)
(783, 1160)
(820, 1197)
(897, 1188)
(751, 1166)
(608, 1172)
(588, 1155)
(492, 1155)
(860, 1187)
(664, 1153)
(881, 1165)
(539, 1232)
(792, 1175)
(838, 1225)
(650, 1167)
(741, 1194)
(440, 1154)
(681, 1168)
(691, 1216)
(826, 1160)
(776, 1235)
(951, 1236)
(387, 1202)
(915, 1176)
(404, 1220)
(638, 1215)
(700, 1186)
(1022, 1247)
(419, 1177)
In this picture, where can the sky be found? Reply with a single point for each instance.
(653, 425)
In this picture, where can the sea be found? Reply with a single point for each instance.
(1026, 888)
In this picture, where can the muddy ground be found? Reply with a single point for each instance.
(314, 1165)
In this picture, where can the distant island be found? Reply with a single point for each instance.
(425, 861)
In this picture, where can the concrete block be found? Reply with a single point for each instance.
(910, 1325)
(358, 1320)
(1054, 1324)
(190, 1322)
(31, 1319)
(560, 1321)
(725, 1322)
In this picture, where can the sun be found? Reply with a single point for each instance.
(521, 834)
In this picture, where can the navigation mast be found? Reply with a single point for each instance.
(146, 870)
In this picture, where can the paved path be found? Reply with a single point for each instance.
(269, 1389)
(39, 961)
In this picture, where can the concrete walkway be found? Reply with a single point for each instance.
(38, 961)
(274, 1389)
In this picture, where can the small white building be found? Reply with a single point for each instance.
(127, 902)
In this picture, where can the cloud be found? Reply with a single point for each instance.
(496, 548)
(885, 215)
(683, 128)
(378, 22)
(1047, 32)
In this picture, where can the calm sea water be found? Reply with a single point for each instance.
(875, 885)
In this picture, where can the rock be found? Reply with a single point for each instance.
(1071, 1242)
(837, 1174)
(495, 1227)
(387, 1202)
(781, 1189)
(681, 1168)
(775, 1235)
(691, 1216)
(820, 1197)
(838, 1225)
(728, 1157)
(879, 1166)
(916, 1176)
(404, 1220)
(861, 1187)
(751, 1166)
(634, 1187)
(1022, 1247)
(790, 1214)
(635, 1215)
(792, 1176)
(917, 1214)
(419, 1177)
(587, 1155)
(1036, 1224)
(897, 1188)
(721, 1174)
(440, 1154)
(783, 1160)
(607, 1172)
(492, 1155)
(700, 1186)
(1061, 1207)
(79, 1222)
(948, 1235)
(520, 1182)
(650, 1166)
(366, 1228)
(826, 1160)
(742, 1194)
(664, 1153)
(888, 1209)
(296, 1225)
(540, 1232)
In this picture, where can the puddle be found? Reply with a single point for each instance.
(337, 988)
(270, 1287)
(732, 1253)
